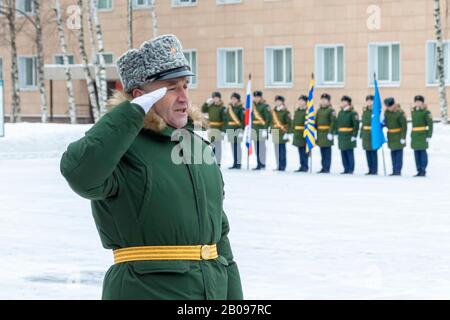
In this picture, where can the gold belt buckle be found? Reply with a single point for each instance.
(206, 252)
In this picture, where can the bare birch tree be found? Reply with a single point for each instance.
(154, 17)
(130, 23)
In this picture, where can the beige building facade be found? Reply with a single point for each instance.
(280, 42)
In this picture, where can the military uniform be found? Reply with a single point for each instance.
(261, 120)
(396, 124)
(325, 124)
(422, 131)
(281, 125)
(217, 118)
(298, 127)
(235, 130)
(366, 136)
(347, 128)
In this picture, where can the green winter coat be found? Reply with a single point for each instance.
(140, 197)
(298, 126)
(261, 119)
(366, 129)
(397, 128)
(326, 118)
(217, 119)
(284, 117)
(422, 122)
(347, 127)
(232, 127)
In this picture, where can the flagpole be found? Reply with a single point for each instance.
(310, 151)
(250, 126)
(382, 146)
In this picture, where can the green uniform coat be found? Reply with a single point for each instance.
(326, 116)
(366, 134)
(347, 119)
(264, 111)
(396, 120)
(421, 118)
(140, 197)
(298, 122)
(216, 113)
(233, 129)
(285, 120)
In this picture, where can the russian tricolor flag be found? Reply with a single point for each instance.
(248, 117)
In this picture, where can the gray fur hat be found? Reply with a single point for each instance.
(161, 58)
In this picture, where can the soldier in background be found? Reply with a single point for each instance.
(235, 128)
(395, 121)
(325, 124)
(347, 127)
(215, 109)
(281, 127)
(422, 122)
(366, 136)
(260, 124)
(298, 126)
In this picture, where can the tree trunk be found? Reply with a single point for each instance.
(15, 86)
(62, 43)
(103, 89)
(40, 61)
(87, 72)
(440, 62)
(130, 24)
(154, 18)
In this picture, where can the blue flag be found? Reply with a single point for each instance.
(377, 134)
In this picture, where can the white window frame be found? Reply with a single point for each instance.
(221, 69)
(225, 2)
(105, 9)
(31, 13)
(106, 53)
(178, 3)
(60, 55)
(193, 85)
(34, 70)
(320, 66)
(269, 67)
(373, 69)
(428, 64)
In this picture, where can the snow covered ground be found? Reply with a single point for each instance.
(295, 236)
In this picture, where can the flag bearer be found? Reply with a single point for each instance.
(216, 111)
(395, 121)
(422, 122)
(366, 136)
(299, 129)
(347, 127)
(235, 128)
(325, 122)
(260, 124)
(281, 127)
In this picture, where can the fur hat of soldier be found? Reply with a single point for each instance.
(281, 98)
(160, 58)
(236, 95)
(419, 98)
(303, 97)
(325, 96)
(389, 102)
(347, 99)
(370, 97)
(216, 94)
(258, 94)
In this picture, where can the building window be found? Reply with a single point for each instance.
(25, 6)
(59, 59)
(227, 1)
(140, 4)
(27, 72)
(229, 67)
(432, 72)
(278, 67)
(104, 4)
(184, 3)
(108, 57)
(384, 60)
(191, 56)
(330, 65)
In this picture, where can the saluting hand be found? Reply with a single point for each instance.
(148, 100)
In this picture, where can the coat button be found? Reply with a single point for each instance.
(206, 252)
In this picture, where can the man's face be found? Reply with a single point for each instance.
(344, 104)
(216, 100)
(418, 104)
(324, 102)
(257, 99)
(173, 107)
(278, 103)
(369, 103)
(301, 103)
(234, 101)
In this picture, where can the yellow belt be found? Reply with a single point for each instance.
(345, 129)
(258, 122)
(299, 128)
(368, 128)
(216, 123)
(205, 252)
(419, 129)
(234, 124)
(396, 130)
(323, 127)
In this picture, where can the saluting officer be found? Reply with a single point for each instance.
(366, 136)
(216, 111)
(235, 128)
(325, 124)
(395, 121)
(281, 128)
(422, 122)
(299, 129)
(260, 123)
(347, 127)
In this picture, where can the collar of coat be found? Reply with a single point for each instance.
(155, 123)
